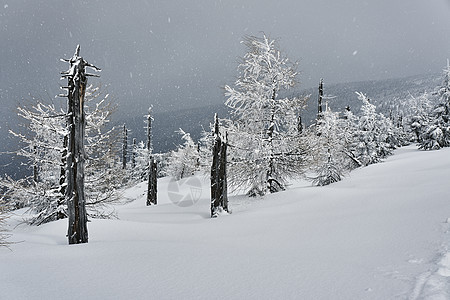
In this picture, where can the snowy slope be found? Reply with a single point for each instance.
(382, 233)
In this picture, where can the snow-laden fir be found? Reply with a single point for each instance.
(381, 233)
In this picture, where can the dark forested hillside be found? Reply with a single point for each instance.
(383, 93)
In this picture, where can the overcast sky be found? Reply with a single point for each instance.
(175, 54)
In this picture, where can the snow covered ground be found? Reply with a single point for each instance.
(382, 233)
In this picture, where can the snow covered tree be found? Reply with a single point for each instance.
(370, 144)
(348, 125)
(419, 115)
(104, 175)
(388, 138)
(398, 135)
(264, 124)
(437, 132)
(45, 147)
(141, 158)
(331, 157)
(141, 154)
(45, 151)
(183, 162)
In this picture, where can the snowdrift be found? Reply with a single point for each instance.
(382, 233)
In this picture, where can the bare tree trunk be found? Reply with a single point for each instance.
(299, 125)
(319, 101)
(152, 183)
(62, 179)
(271, 169)
(223, 185)
(273, 185)
(152, 168)
(35, 168)
(124, 147)
(133, 154)
(149, 131)
(219, 189)
(76, 202)
(215, 197)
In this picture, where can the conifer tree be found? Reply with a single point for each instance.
(183, 162)
(348, 124)
(437, 132)
(44, 148)
(370, 139)
(264, 124)
(331, 158)
(419, 115)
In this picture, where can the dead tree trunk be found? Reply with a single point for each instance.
(215, 202)
(133, 155)
(62, 180)
(35, 168)
(223, 186)
(152, 183)
(75, 197)
(319, 100)
(219, 190)
(319, 108)
(299, 125)
(124, 147)
(273, 185)
(152, 169)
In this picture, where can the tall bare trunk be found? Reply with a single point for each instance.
(75, 197)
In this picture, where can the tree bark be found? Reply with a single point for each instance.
(152, 168)
(152, 183)
(219, 190)
(124, 147)
(319, 101)
(62, 179)
(223, 186)
(76, 202)
(133, 154)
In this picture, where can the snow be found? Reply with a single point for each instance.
(444, 269)
(381, 233)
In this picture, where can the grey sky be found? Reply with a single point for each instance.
(175, 54)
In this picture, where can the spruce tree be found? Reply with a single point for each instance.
(437, 133)
(264, 123)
